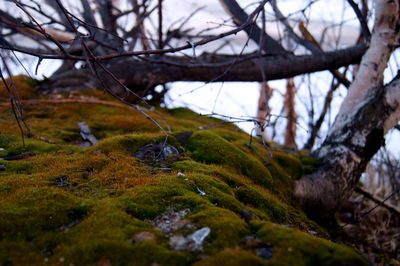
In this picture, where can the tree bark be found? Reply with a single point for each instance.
(290, 113)
(169, 69)
(369, 110)
(136, 73)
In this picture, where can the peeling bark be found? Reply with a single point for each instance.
(369, 110)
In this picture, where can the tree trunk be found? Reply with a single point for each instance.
(290, 113)
(369, 110)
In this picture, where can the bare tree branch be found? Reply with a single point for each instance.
(270, 47)
(308, 36)
(168, 69)
(361, 18)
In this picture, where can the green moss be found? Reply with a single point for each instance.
(30, 212)
(231, 135)
(246, 195)
(132, 142)
(232, 258)
(5, 141)
(185, 119)
(19, 167)
(35, 146)
(293, 247)
(104, 236)
(216, 171)
(227, 228)
(47, 112)
(123, 253)
(283, 182)
(384, 260)
(147, 202)
(272, 207)
(210, 148)
(70, 135)
(68, 205)
(19, 252)
(309, 163)
(183, 113)
(289, 163)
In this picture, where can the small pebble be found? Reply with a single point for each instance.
(199, 235)
(265, 253)
(29, 134)
(179, 242)
(143, 236)
(314, 233)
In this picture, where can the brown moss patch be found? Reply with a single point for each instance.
(25, 88)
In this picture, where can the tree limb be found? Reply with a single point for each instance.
(308, 36)
(138, 75)
(270, 47)
(361, 19)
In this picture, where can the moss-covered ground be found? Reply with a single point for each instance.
(67, 205)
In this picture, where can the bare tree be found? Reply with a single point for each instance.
(126, 48)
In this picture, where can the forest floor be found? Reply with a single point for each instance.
(97, 183)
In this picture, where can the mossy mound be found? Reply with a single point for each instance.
(62, 204)
(21, 87)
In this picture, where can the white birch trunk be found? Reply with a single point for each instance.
(369, 110)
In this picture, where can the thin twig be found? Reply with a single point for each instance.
(379, 204)
(361, 18)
